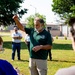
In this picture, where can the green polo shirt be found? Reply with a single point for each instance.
(42, 38)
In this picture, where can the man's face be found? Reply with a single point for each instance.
(36, 24)
(15, 28)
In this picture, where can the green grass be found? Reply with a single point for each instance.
(62, 55)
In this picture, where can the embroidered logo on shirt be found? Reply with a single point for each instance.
(42, 37)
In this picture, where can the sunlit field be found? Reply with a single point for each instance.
(62, 55)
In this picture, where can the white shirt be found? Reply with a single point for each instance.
(27, 38)
(16, 35)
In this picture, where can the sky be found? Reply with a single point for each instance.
(42, 7)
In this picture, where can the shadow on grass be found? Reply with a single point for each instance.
(9, 45)
(63, 61)
(22, 60)
(62, 46)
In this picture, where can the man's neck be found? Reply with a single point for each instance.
(41, 30)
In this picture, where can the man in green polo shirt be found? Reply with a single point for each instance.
(40, 43)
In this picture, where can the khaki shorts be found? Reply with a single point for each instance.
(37, 67)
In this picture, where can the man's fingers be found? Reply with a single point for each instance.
(15, 16)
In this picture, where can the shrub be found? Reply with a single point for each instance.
(56, 37)
(65, 38)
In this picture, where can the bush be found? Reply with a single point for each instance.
(65, 38)
(56, 37)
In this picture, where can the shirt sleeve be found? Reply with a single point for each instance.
(25, 37)
(12, 35)
(28, 30)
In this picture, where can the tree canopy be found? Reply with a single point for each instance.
(64, 8)
(8, 8)
(30, 19)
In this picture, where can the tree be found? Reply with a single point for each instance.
(8, 8)
(30, 19)
(64, 8)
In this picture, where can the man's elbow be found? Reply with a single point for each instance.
(50, 47)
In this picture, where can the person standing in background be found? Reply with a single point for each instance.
(16, 43)
(49, 51)
(27, 41)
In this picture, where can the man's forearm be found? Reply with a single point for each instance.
(43, 47)
(17, 37)
(46, 47)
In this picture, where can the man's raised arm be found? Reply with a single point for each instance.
(19, 25)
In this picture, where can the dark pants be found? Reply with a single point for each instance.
(16, 46)
(50, 54)
(28, 45)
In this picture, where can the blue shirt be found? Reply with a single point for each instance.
(6, 68)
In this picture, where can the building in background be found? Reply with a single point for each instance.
(55, 29)
(59, 30)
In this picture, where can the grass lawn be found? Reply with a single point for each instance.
(62, 55)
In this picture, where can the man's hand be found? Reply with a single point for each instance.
(19, 25)
(15, 17)
(37, 48)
